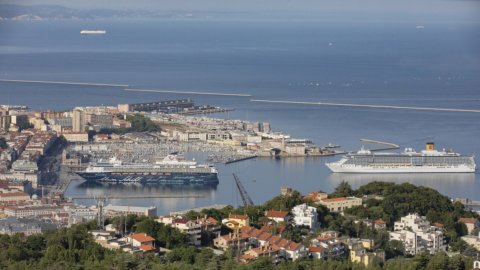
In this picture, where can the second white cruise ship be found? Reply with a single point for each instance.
(410, 161)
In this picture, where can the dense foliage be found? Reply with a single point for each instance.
(74, 248)
(398, 200)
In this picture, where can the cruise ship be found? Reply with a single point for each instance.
(410, 161)
(169, 171)
(93, 32)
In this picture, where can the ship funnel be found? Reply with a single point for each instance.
(430, 146)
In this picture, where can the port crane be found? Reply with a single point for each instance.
(247, 201)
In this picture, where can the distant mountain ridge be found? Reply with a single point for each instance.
(56, 12)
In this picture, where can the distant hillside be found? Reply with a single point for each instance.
(55, 12)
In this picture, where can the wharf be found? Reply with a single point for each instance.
(133, 197)
(237, 159)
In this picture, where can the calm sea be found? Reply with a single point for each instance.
(365, 63)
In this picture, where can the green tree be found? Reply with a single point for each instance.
(342, 190)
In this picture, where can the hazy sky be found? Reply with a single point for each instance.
(469, 9)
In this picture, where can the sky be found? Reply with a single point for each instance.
(467, 9)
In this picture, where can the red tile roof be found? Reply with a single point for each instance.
(339, 199)
(276, 214)
(212, 221)
(146, 247)
(141, 237)
(292, 246)
(264, 236)
(468, 220)
(316, 249)
(379, 222)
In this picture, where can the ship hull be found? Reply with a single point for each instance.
(161, 178)
(403, 169)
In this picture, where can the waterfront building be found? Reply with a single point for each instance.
(341, 203)
(304, 215)
(417, 235)
(118, 210)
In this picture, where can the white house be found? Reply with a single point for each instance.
(417, 235)
(304, 215)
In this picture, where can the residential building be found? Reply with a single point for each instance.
(78, 121)
(12, 225)
(195, 228)
(417, 235)
(360, 254)
(75, 136)
(379, 224)
(231, 240)
(470, 223)
(286, 248)
(235, 222)
(140, 239)
(13, 197)
(341, 203)
(277, 216)
(316, 196)
(472, 240)
(304, 215)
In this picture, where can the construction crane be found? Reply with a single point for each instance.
(247, 201)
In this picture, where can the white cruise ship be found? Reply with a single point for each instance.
(93, 32)
(410, 161)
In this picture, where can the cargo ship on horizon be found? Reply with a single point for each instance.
(410, 161)
(169, 171)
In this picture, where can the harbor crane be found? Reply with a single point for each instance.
(247, 201)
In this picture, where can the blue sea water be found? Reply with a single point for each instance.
(365, 63)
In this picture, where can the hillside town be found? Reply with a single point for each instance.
(39, 150)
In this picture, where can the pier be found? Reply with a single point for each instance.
(187, 92)
(130, 197)
(352, 105)
(66, 83)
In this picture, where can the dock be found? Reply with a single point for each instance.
(130, 197)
